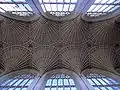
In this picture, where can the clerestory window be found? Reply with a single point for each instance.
(17, 7)
(19, 82)
(58, 7)
(102, 7)
(101, 82)
(60, 82)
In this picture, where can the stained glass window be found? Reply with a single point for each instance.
(60, 82)
(19, 82)
(58, 7)
(101, 82)
(102, 7)
(17, 7)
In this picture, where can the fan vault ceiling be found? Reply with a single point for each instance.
(46, 45)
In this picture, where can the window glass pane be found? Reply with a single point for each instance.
(66, 6)
(43, 7)
(24, 82)
(28, 7)
(109, 88)
(72, 6)
(5, 1)
(96, 81)
(67, 88)
(103, 88)
(60, 88)
(47, 88)
(6, 82)
(73, 88)
(54, 83)
(54, 7)
(97, 1)
(12, 82)
(107, 81)
(48, 7)
(110, 1)
(19, 0)
(24, 88)
(102, 7)
(60, 0)
(53, 88)
(97, 8)
(67, 1)
(17, 82)
(60, 82)
(112, 81)
(45, 0)
(53, 1)
(58, 7)
(66, 82)
(91, 82)
(102, 82)
(71, 82)
(29, 82)
(10, 89)
(73, 1)
(17, 89)
(96, 88)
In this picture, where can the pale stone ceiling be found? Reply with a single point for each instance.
(46, 45)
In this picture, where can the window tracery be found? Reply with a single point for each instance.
(60, 82)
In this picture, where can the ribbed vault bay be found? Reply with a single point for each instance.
(46, 45)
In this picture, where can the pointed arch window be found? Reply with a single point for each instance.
(19, 82)
(58, 7)
(103, 7)
(17, 7)
(101, 82)
(60, 82)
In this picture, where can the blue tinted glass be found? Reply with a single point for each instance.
(71, 82)
(58, 7)
(24, 89)
(18, 89)
(110, 88)
(100, 80)
(66, 82)
(67, 88)
(6, 82)
(11, 88)
(12, 82)
(49, 81)
(96, 88)
(96, 81)
(24, 82)
(19, 0)
(60, 88)
(113, 81)
(60, 82)
(29, 82)
(100, 6)
(47, 88)
(73, 88)
(54, 83)
(18, 82)
(53, 88)
(91, 82)
(103, 82)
